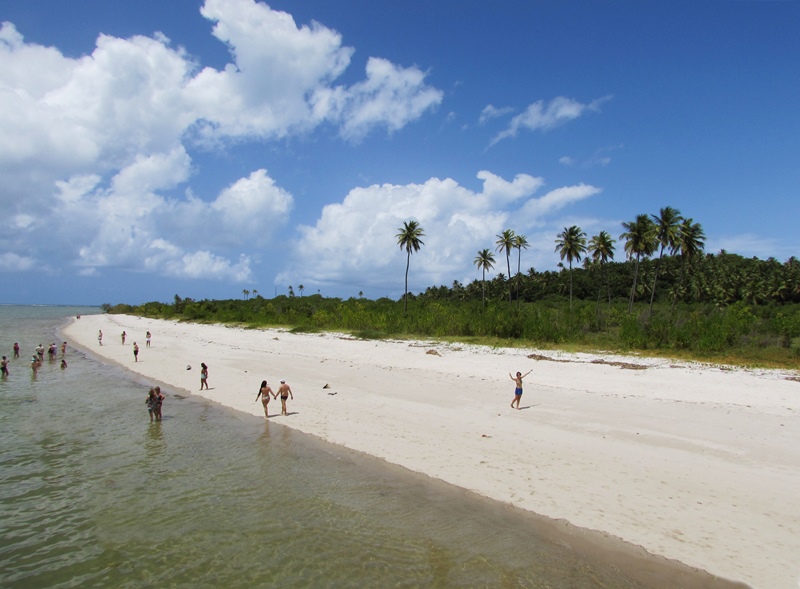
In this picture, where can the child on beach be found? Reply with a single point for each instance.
(264, 392)
(151, 403)
(203, 376)
(518, 391)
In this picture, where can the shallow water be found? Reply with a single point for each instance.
(93, 495)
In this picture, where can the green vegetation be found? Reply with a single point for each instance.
(713, 307)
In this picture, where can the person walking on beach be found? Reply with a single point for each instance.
(16, 349)
(518, 391)
(147, 340)
(203, 376)
(135, 352)
(100, 337)
(123, 337)
(264, 392)
(4, 367)
(285, 391)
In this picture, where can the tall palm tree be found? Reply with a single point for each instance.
(245, 292)
(571, 244)
(521, 243)
(408, 239)
(484, 261)
(505, 243)
(691, 243)
(301, 288)
(640, 241)
(601, 248)
(668, 223)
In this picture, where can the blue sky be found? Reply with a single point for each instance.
(203, 147)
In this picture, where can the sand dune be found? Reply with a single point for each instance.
(697, 463)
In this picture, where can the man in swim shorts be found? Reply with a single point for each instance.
(285, 391)
(518, 391)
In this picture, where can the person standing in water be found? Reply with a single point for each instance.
(518, 390)
(203, 376)
(159, 401)
(4, 367)
(264, 392)
(16, 349)
(285, 391)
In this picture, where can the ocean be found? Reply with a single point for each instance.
(94, 495)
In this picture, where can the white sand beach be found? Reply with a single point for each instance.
(696, 463)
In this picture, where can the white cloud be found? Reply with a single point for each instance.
(353, 242)
(490, 112)
(541, 116)
(93, 148)
(13, 262)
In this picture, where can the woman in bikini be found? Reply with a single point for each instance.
(264, 392)
(518, 391)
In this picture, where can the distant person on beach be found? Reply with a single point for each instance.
(4, 367)
(285, 391)
(100, 337)
(123, 337)
(16, 350)
(518, 391)
(63, 364)
(264, 392)
(63, 348)
(159, 401)
(135, 352)
(203, 376)
(147, 340)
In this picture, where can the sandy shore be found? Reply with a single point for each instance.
(695, 463)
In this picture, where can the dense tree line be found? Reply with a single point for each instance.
(667, 295)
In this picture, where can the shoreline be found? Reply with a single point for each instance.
(692, 463)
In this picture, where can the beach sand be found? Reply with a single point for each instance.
(696, 463)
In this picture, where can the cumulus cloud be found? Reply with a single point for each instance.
(541, 116)
(353, 242)
(93, 149)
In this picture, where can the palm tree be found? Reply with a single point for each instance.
(291, 291)
(255, 293)
(601, 248)
(640, 241)
(245, 292)
(691, 242)
(408, 239)
(521, 243)
(505, 243)
(484, 261)
(301, 288)
(571, 244)
(668, 222)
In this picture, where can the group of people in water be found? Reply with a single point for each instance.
(37, 358)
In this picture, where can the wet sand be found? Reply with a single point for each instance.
(694, 463)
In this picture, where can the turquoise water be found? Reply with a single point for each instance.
(93, 495)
